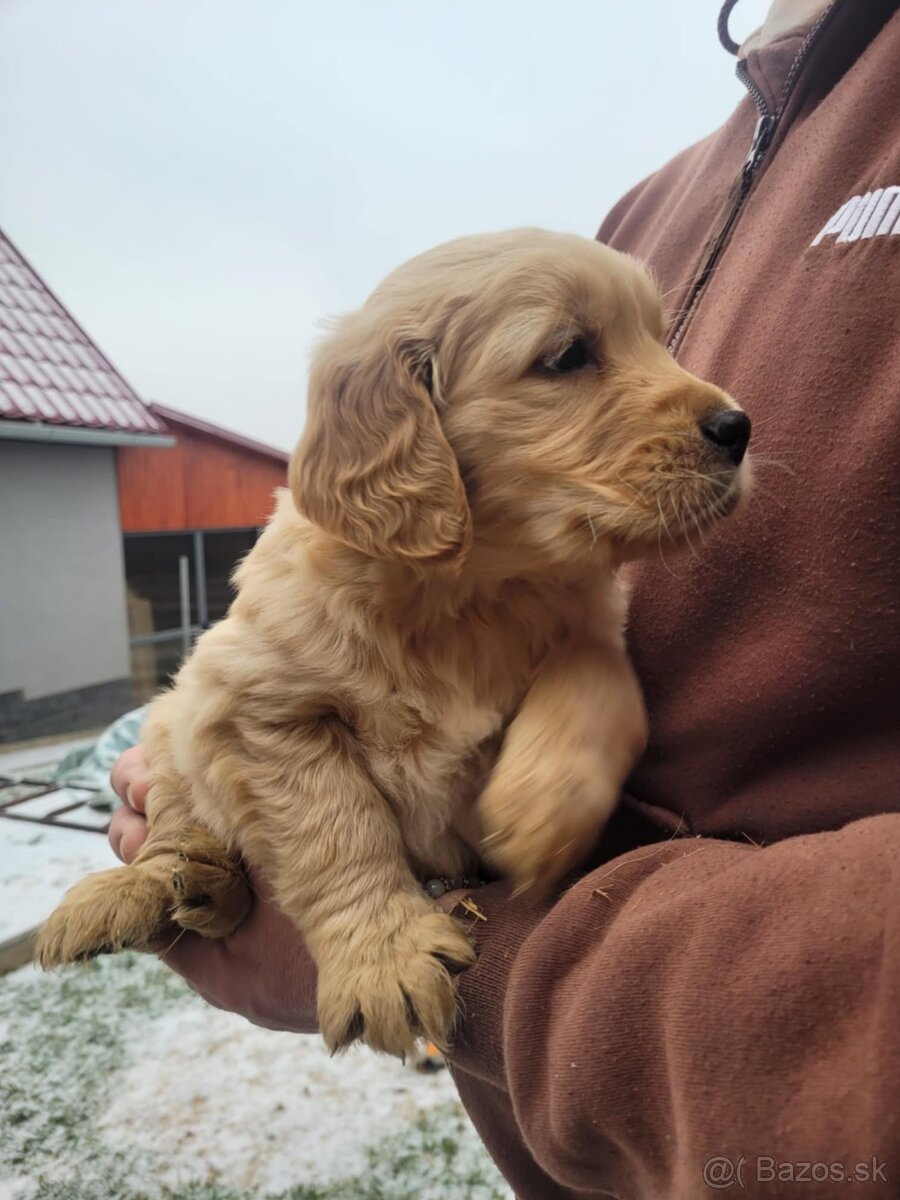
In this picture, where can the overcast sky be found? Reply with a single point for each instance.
(202, 180)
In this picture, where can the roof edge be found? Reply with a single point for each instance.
(172, 416)
(78, 435)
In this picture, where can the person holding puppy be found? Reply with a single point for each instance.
(721, 984)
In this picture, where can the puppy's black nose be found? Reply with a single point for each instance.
(730, 432)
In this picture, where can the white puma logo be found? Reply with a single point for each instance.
(876, 214)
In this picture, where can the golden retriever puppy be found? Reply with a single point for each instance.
(425, 665)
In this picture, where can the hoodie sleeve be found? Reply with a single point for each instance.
(691, 1001)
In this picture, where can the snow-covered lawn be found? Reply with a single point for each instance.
(116, 1083)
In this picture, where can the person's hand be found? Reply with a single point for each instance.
(263, 971)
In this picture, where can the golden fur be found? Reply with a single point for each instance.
(425, 659)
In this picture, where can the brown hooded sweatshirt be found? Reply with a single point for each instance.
(725, 988)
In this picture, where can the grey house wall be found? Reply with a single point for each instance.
(64, 657)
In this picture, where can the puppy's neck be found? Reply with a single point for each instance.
(425, 596)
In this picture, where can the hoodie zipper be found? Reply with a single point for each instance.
(762, 139)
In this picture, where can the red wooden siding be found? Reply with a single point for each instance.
(203, 482)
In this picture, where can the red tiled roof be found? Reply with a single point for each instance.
(50, 370)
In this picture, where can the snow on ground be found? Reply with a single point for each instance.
(117, 1083)
(260, 1110)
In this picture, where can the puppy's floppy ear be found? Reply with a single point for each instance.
(373, 467)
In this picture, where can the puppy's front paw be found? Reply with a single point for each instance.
(395, 986)
(122, 909)
(537, 839)
(211, 892)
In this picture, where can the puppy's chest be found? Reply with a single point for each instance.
(433, 730)
(432, 737)
(423, 754)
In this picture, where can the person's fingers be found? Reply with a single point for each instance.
(127, 832)
(263, 970)
(130, 778)
(200, 962)
(122, 770)
(208, 968)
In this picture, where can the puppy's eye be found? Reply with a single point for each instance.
(576, 355)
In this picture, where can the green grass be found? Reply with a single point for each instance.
(64, 1037)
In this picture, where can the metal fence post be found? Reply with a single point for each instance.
(200, 578)
(184, 595)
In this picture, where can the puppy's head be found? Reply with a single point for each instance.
(513, 390)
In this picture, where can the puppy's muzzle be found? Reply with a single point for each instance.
(729, 432)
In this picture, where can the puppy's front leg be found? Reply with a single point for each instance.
(386, 956)
(565, 757)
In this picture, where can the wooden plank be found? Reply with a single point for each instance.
(200, 483)
(17, 951)
(151, 488)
